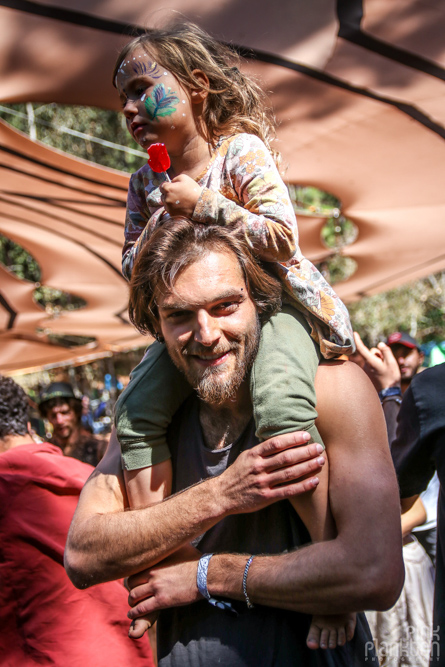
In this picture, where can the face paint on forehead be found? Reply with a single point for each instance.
(140, 65)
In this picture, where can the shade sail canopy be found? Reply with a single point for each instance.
(68, 215)
(358, 89)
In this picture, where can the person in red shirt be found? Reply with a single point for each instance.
(44, 619)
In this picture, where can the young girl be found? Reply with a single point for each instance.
(179, 87)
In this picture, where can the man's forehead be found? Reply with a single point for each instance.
(401, 347)
(172, 300)
(215, 276)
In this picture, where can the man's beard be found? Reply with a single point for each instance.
(214, 390)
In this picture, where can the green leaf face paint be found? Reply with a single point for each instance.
(161, 102)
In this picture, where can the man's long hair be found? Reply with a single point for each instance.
(177, 244)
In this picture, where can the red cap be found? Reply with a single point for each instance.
(402, 338)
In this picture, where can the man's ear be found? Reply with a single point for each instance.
(158, 334)
(200, 93)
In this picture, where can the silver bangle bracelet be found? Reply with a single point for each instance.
(246, 572)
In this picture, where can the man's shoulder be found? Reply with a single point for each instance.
(338, 379)
(430, 381)
(39, 462)
(23, 454)
(345, 396)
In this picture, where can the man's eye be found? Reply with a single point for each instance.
(227, 307)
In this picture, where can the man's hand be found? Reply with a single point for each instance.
(180, 195)
(275, 469)
(381, 365)
(170, 584)
(99, 547)
(136, 587)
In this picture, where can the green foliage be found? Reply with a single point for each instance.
(338, 268)
(23, 265)
(54, 301)
(51, 119)
(312, 201)
(417, 308)
(17, 260)
(337, 232)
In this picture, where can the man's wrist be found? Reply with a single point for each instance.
(390, 391)
(225, 576)
(211, 498)
(221, 495)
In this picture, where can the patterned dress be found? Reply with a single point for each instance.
(241, 185)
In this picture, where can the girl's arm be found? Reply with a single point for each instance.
(253, 195)
(139, 223)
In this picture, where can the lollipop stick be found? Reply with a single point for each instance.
(167, 177)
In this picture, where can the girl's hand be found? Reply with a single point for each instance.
(180, 195)
(331, 631)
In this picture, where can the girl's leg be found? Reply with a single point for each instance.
(283, 375)
(283, 397)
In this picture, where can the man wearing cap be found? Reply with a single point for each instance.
(408, 354)
(392, 367)
(63, 409)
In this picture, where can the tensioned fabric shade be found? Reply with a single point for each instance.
(68, 215)
(358, 89)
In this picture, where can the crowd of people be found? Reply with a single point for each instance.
(247, 496)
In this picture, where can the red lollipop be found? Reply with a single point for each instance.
(159, 159)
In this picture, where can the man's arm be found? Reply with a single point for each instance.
(413, 448)
(413, 514)
(383, 370)
(362, 567)
(105, 542)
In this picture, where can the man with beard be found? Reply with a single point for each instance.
(199, 288)
(63, 409)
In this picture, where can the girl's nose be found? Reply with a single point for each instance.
(130, 108)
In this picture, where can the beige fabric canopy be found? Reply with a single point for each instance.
(68, 214)
(358, 90)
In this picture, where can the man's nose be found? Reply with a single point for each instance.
(207, 331)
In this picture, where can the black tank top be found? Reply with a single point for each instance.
(199, 635)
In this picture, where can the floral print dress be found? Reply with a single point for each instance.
(241, 185)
